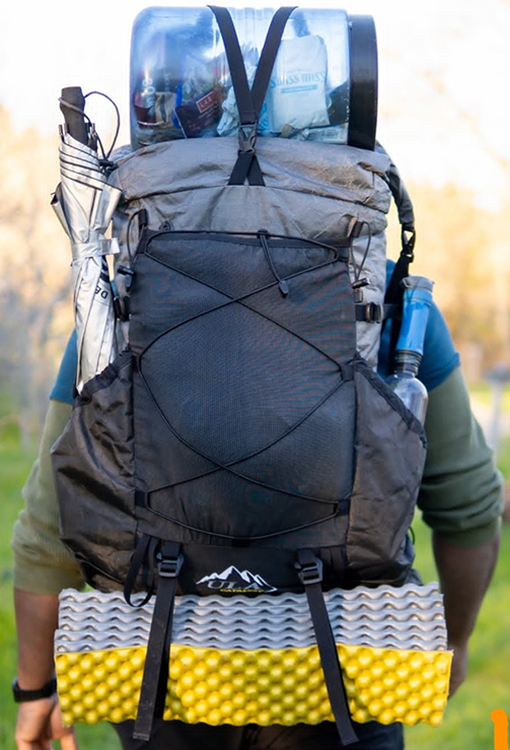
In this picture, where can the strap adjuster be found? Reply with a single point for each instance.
(408, 238)
(310, 572)
(371, 312)
(374, 312)
(170, 567)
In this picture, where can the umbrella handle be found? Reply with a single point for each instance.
(73, 114)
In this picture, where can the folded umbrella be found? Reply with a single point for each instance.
(85, 202)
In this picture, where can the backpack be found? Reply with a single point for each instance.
(241, 442)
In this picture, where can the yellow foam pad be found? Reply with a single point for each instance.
(233, 686)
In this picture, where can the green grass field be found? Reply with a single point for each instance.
(467, 724)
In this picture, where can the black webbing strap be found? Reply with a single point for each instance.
(310, 575)
(394, 291)
(408, 232)
(249, 102)
(400, 195)
(143, 558)
(268, 56)
(155, 673)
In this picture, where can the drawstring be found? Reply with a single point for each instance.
(356, 232)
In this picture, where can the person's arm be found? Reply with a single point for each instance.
(461, 500)
(42, 563)
(42, 567)
(40, 721)
(464, 574)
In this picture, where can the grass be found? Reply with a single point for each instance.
(13, 466)
(467, 721)
(504, 457)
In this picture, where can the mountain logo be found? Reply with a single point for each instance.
(234, 581)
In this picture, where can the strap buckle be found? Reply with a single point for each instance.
(247, 138)
(373, 312)
(310, 572)
(370, 312)
(408, 237)
(169, 567)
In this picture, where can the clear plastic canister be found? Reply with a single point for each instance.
(323, 85)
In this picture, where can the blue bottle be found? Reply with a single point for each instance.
(409, 351)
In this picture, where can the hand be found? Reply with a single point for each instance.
(39, 723)
(459, 667)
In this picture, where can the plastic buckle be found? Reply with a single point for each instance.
(373, 312)
(310, 572)
(121, 308)
(128, 273)
(408, 237)
(170, 567)
(247, 137)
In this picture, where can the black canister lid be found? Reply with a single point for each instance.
(363, 74)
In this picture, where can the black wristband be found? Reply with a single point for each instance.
(22, 696)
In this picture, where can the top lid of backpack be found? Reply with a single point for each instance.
(323, 84)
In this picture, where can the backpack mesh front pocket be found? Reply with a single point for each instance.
(244, 405)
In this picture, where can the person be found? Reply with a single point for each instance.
(460, 499)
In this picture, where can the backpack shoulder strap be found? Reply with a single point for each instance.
(408, 232)
(249, 101)
(394, 292)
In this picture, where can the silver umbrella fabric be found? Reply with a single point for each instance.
(84, 202)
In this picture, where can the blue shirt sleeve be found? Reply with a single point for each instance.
(63, 390)
(439, 355)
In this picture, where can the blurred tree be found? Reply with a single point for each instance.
(35, 312)
(462, 248)
(442, 117)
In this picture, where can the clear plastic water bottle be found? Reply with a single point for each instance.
(409, 351)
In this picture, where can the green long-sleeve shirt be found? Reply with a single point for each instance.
(461, 494)
(42, 564)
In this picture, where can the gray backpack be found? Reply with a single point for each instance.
(242, 441)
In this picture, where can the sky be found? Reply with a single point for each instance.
(444, 72)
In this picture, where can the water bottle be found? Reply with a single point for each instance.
(323, 85)
(409, 351)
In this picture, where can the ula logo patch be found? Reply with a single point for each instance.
(235, 581)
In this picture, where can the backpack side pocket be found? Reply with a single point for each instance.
(93, 467)
(390, 447)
